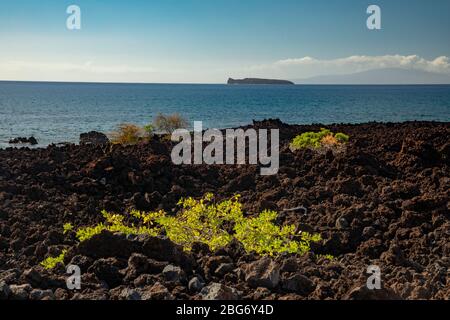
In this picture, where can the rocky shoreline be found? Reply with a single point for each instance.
(384, 202)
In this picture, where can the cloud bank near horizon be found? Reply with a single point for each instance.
(291, 68)
(440, 64)
(305, 67)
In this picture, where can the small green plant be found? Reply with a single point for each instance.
(341, 137)
(261, 235)
(67, 227)
(149, 129)
(325, 256)
(317, 140)
(209, 222)
(169, 123)
(51, 262)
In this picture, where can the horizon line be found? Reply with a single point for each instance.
(220, 83)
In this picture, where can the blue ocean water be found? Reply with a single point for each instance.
(59, 112)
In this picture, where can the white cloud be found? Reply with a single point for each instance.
(363, 63)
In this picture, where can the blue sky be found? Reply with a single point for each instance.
(207, 41)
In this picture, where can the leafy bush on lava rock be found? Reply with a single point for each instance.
(208, 222)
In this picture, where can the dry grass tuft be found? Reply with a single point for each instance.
(169, 123)
(127, 134)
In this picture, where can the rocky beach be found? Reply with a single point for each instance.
(384, 201)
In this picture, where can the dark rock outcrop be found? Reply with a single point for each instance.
(93, 138)
(22, 140)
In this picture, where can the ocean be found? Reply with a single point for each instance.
(59, 112)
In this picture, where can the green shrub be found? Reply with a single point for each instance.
(169, 123)
(206, 221)
(202, 221)
(317, 140)
(52, 262)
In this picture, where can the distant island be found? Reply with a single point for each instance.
(259, 81)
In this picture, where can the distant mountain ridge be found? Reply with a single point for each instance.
(259, 81)
(381, 76)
